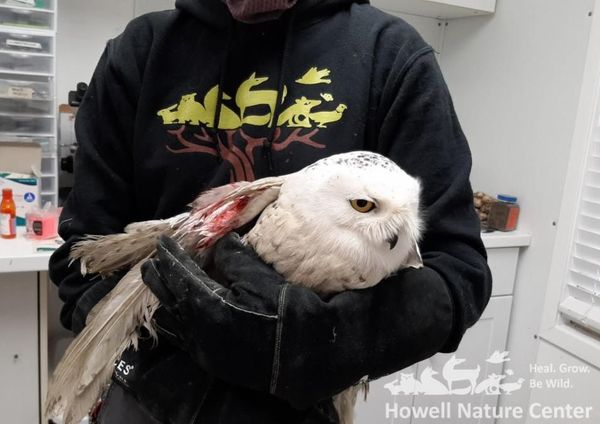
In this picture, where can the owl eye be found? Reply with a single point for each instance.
(362, 205)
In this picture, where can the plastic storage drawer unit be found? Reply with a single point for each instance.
(26, 18)
(33, 97)
(25, 125)
(24, 62)
(25, 43)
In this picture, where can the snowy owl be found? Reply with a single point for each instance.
(345, 222)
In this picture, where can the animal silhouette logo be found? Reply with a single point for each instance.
(315, 76)
(408, 385)
(248, 96)
(430, 385)
(498, 357)
(190, 111)
(490, 385)
(258, 102)
(255, 104)
(297, 115)
(328, 116)
(454, 375)
(508, 388)
(456, 379)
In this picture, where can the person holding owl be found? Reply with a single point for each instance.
(216, 91)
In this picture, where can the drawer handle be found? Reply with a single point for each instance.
(19, 11)
(20, 55)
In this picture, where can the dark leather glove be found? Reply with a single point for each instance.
(242, 315)
(257, 331)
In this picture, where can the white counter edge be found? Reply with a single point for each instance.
(20, 255)
(31, 263)
(499, 239)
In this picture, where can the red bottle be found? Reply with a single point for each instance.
(8, 215)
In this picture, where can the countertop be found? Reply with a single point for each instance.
(20, 255)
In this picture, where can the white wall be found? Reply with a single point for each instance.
(84, 27)
(583, 385)
(429, 28)
(515, 78)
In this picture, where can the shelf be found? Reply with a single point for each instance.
(26, 115)
(33, 74)
(25, 136)
(40, 32)
(27, 100)
(439, 9)
(25, 8)
(21, 134)
(25, 53)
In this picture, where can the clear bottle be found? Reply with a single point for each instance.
(8, 215)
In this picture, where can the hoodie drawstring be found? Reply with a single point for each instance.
(280, 89)
(220, 89)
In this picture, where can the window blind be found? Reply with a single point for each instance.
(581, 302)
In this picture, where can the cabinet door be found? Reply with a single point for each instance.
(478, 345)
(392, 399)
(381, 406)
(19, 391)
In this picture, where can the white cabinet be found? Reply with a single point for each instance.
(479, 343)
(23, 330)
(440, 9)
(472, 377)
(19, 353)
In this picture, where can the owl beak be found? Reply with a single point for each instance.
(393, 241)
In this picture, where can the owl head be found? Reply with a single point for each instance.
(360, 204)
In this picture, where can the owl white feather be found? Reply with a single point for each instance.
(346, 222)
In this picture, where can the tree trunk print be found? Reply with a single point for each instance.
(241, 161)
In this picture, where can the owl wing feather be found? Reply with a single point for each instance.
(114, 322)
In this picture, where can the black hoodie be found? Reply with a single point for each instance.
(329, 76)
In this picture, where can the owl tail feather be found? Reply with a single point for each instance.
(86, 368)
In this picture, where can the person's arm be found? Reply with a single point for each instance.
(262, 333)
(421, 133)
(101, 201)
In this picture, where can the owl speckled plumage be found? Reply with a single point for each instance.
(313, 235)
(345, 222)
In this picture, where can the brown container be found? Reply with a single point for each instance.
(504, 214)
